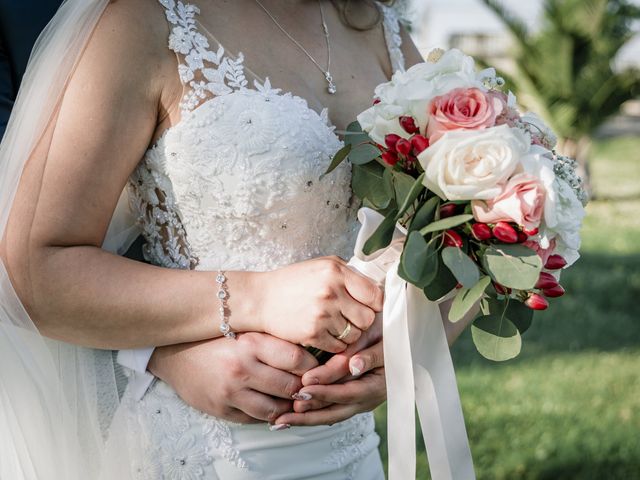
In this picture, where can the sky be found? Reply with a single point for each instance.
(444, 17)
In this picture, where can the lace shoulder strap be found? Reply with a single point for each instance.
(205, 73)
(391, 25)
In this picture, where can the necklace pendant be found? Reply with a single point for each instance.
(331, 88)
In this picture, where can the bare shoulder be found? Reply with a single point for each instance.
(129, 45)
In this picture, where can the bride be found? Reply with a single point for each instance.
(207, 126)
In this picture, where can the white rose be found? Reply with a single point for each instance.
(473, 164)
(563, 219)
(410, 92)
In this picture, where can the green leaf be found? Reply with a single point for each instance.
(514, 266)
(419, 261)
(354, 135)
(416, 189)
(496, 337)
(442, 283)
(382, 236)
(364, 154)
(402, 184)
(446, 223)
(463, 268)
(466, 298)
(371, 182)
(519, 314)
(338, 159)
(425, 214)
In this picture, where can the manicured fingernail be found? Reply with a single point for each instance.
(277, 428)
(301, 396)
(356, 366)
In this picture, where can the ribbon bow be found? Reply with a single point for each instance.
(418, 366)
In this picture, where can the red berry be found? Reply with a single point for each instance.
(452, 239)
(448, 210)
(522, 237)
(391, 139)
(403, 146)
(505, 232)
(531, 231)
(553, 292)
(502, 290)
(481, 231)
(376, 101)
(390, 158)
(555, 262)
(419, 143)
(536, 302)
(409, 124)
(546, 280)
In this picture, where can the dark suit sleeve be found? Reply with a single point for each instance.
(7, 89)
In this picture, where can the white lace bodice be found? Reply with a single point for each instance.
(236, 184)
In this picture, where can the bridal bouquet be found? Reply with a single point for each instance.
(489, 210)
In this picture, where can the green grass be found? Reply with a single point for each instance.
(569, 406)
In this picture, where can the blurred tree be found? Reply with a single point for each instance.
(565, 72)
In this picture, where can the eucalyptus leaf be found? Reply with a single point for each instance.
(338, 158)
(364, 153)
(370, 183)
(354, 127)
(354, 135)
(425, 214)
(446, 223)
(402, 184)
(463, 268)
(419, 261)
(519, 314)
(415, 190)
(381, 237)
(513, 266)
(466, 298)
(496, 337)
(442, 283)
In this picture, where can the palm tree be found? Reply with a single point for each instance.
(565, 72)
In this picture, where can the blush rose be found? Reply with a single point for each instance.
(462, 108)
(521, 201)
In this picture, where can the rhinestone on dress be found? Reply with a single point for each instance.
(220, 278)
(222, 294)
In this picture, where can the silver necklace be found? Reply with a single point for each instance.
(331, 87)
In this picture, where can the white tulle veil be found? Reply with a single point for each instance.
(57, 401)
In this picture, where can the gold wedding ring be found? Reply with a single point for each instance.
(345, 332)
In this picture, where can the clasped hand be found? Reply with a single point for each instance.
(266, 377)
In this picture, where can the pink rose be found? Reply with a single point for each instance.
(543, 253)
(521, 201)
(462, 108)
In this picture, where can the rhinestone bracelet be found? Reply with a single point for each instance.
(223, 295)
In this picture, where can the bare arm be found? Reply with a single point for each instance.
(74, 290)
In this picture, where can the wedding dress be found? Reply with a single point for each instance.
(236, 185)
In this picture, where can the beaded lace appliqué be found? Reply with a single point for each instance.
(393, 39)
(220, 76)
(349, 447)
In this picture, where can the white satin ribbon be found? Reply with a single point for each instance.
(418, 366)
